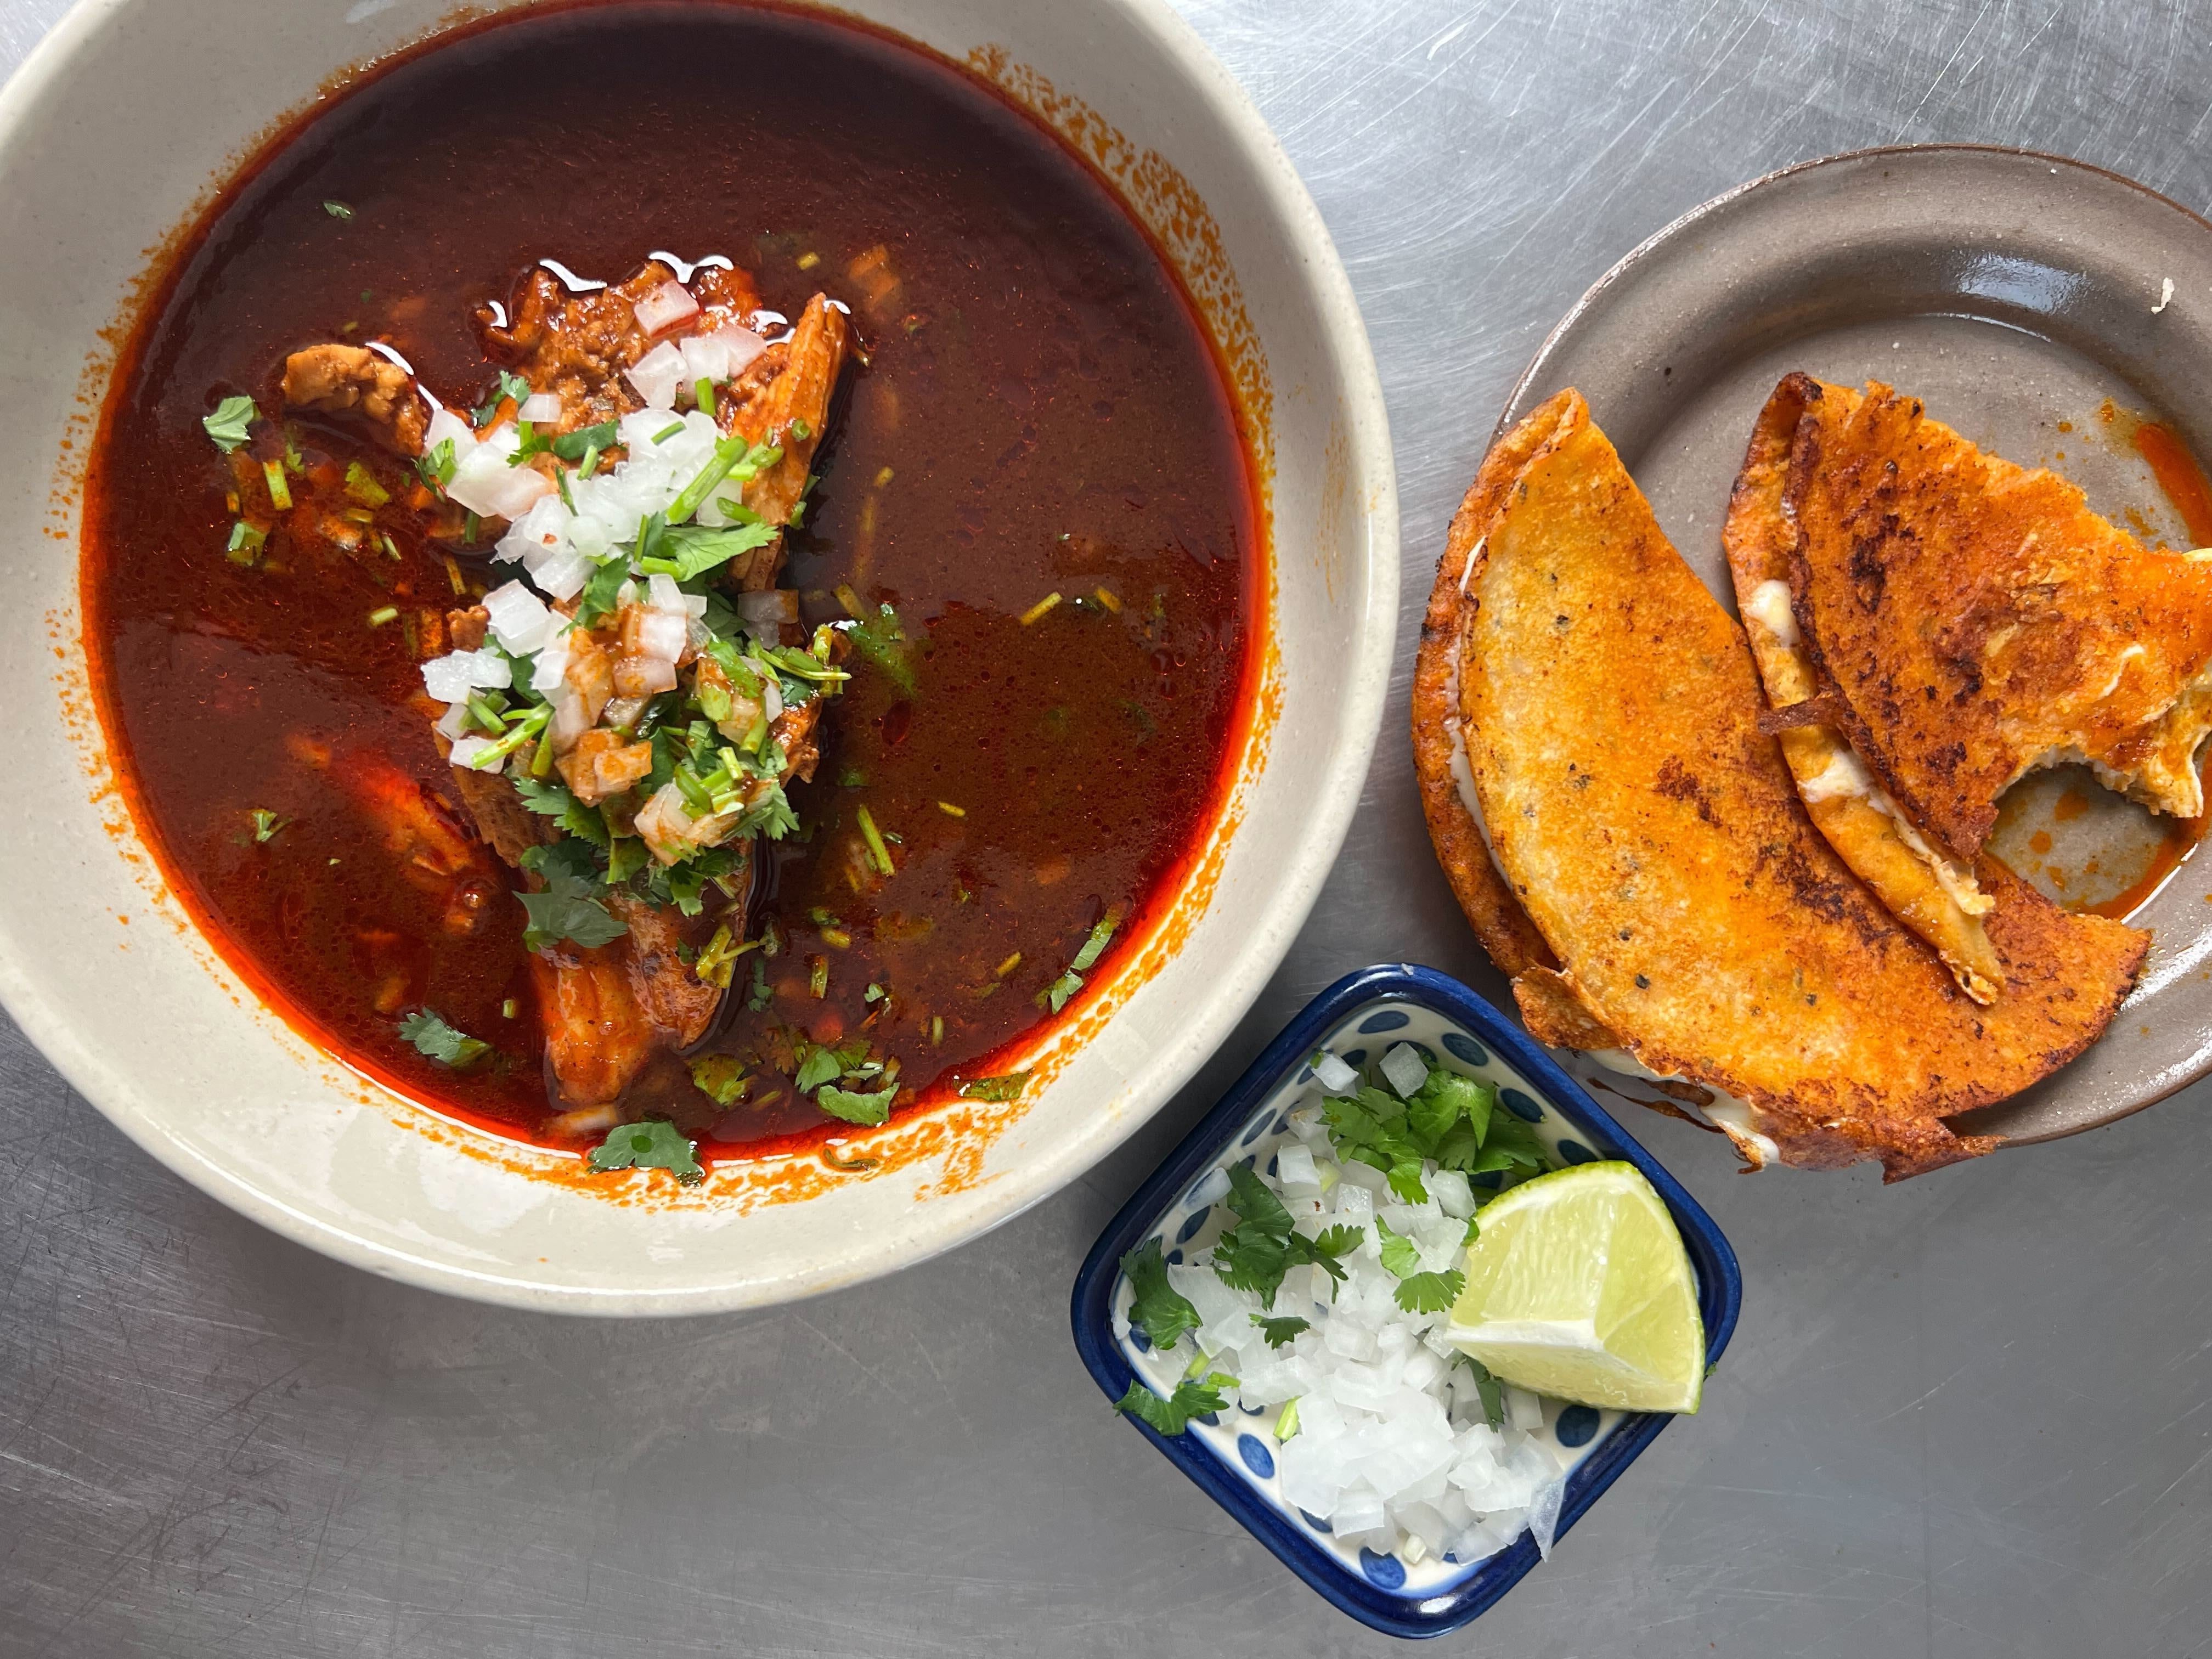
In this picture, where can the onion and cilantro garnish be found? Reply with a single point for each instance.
(1326, 1299)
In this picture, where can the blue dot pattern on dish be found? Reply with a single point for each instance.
(1520, 1106)
(1257, 1458)
(1576, 1425)
(1305, 1074)
(1575, 1153)
(1190, 1193)
(1466, 1047)
(1138, 1341)
(1428, 1054)
(1315, 1522)
(1211, 1419)
(1175, 1258)
(1386, 1570)
(1492, 1179)
(1353, 1056)
(1197, 1220)
(1265, 1122)
(1271, 1163)
(1389, 1019)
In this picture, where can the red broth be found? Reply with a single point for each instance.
(1040, 413)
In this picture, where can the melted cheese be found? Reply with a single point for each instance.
(1736, 1119)
(1770, 607)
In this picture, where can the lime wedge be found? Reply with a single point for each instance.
(1579, 1287)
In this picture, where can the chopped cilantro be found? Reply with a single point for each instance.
(819, 1066)
(1008, 1087)
(575, 446)
(1263, 1246)
(1486, 1388)
(266, 823)
(509, 385)
(565, 909)
(1418, 1292)
(434, 1039)
(600, 591)
(687, 552)
(880, 638)
(228, 425)
(864, 1109)
(720, 1078)
(437, 465)
(1194, 1397)
(1281, 1329)
(1055, 995)
(555, 801)
(1161, 1311)
(1101, 936)
(337, 210)
(653, 1144)
(760, 995)
(668, 432)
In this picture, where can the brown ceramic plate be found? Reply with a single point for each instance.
(2025, 299)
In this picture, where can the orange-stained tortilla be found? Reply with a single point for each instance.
(1654, 837)
(1974, 619)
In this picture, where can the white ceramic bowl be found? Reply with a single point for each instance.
(112, 133)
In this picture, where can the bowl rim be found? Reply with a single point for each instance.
(1314, 268)
(1720, 1294)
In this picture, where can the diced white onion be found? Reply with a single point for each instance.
(663, 594)
(771, 697)
(665, 306)
(453, 721)
(662, 636)
(1334, 1075)
(706, 356)
(520, 620)
(571, 718)
(562, 574)
(657, 374)
(485, 484)
(766, 610)
(540, 409)
(552, 665)
(1405, 1070)
(466, 750)
(451, 678)
(744, 346)
(445, 424)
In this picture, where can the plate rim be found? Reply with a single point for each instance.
(2165, 1085)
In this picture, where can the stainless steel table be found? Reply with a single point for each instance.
(1965, 1417)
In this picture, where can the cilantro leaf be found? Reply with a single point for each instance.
(720, 1078)
(1256, 1253)
(601, 591)
(565, 909)
(556, 801)
(1161, 1311)
(653, 1144)
(1486, 1388)
(867, 1110)
(1279, 1330)
(689, 551)
(510, 385)
(1400, 1253)
(1194, 1397)
(226, 426)
(819, 1066)
(572, 445)
(1430, 1292)
(266, 823)
(1008, 1087)
(337, 210)
(436, 1040)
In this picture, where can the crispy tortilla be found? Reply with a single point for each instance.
(1653, 835)
(1936, 897)
(1975, 620)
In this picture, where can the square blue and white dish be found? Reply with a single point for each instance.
(1231, 1455)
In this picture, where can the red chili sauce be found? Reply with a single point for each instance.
(1039, 413)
